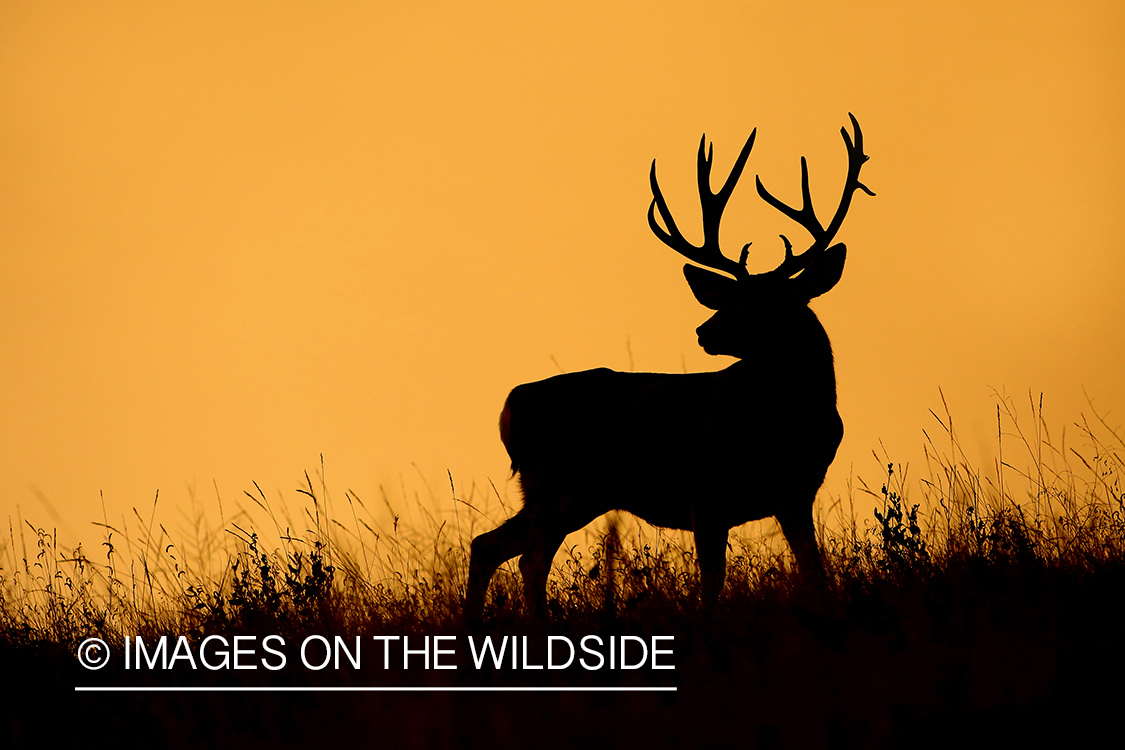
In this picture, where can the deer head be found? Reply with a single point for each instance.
(765, 300)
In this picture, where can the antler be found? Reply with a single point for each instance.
(806, 216)
(708, 254)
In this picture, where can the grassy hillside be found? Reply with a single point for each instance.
(972, 606)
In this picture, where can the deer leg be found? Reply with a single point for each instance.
(488, 552)
(800, 532)
(535, 565)
(549, 532)
(711, 551)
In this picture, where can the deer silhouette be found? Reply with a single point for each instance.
(702, 452)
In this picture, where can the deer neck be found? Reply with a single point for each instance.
(796, 365)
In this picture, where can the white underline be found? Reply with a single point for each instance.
(360, 689)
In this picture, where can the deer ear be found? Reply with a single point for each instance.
(711, 289)
(823, 274)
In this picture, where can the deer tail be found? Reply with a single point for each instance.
(506, 435)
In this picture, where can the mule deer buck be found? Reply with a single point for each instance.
(702, 452)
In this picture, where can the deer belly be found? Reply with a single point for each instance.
(675, 505)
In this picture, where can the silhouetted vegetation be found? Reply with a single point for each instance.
(972, 606)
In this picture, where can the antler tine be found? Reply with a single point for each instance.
(708, 254)
(806, 216)
(856, 160)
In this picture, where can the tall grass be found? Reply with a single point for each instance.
(973, 604)
(1046, 503)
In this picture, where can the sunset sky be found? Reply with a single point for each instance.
(234, 237)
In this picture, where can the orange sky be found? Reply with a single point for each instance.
(235, 238)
